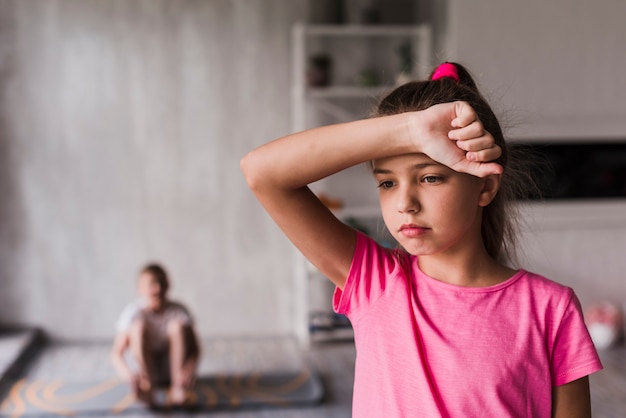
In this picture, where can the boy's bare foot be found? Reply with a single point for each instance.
(178, 396)
(145, 396)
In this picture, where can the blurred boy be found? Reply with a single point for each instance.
(158, 333)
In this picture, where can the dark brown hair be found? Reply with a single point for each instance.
(498, 218)
(159, 274)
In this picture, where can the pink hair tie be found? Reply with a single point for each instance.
(446, 70)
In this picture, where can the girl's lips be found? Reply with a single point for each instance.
(411, 230)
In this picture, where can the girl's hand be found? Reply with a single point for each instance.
(453, 135)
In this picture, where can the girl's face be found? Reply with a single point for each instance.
(430, 208)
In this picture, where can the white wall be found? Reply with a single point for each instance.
(555, 68)
(121, 128)
(578, 243)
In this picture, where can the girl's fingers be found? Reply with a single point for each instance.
(484, 155)
(478, 169)
(485, 169)
(476, 144)
(479, 144)
(465, 115)
(472, 130)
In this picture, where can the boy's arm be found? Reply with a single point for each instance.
(191, 363)
(191, 338)
(572, 400)
(279, 172)
(120, 344)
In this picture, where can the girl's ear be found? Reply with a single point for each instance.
(491, 185)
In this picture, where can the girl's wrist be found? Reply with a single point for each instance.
(397, 135)
(413, 131)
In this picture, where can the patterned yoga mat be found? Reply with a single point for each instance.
(66, 398)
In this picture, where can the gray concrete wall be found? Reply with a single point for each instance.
(121, 128)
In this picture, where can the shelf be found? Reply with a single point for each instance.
(419, 38)
(328, 326)
(364, 30)
(332, 335)
(345, 102)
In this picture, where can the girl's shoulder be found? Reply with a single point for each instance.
(365, 243)
(538, 280)
(539, 287)
(390, 259)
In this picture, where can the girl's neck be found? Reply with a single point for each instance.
(476, 269)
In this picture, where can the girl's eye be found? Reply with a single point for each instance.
(388, 184)
(432, 179)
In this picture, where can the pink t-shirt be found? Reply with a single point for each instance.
(426, 348)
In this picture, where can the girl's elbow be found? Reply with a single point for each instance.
(247, 168)
(254, 171)
(266, 175)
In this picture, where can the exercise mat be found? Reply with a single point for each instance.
(250, 391)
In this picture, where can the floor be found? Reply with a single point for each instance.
(334, 362)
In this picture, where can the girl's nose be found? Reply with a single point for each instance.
(408, 201)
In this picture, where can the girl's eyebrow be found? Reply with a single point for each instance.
(413, 167)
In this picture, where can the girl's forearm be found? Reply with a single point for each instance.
(299, 159)
(445, 132)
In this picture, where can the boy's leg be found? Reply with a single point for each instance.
(183, 358)
(142, 355)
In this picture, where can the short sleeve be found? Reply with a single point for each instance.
(372, 269)
(574, 355)
(181, 313)
(129, 313)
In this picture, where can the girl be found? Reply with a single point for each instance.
(443, 327)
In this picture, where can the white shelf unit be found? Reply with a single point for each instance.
(337, 101)
(302, 36)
